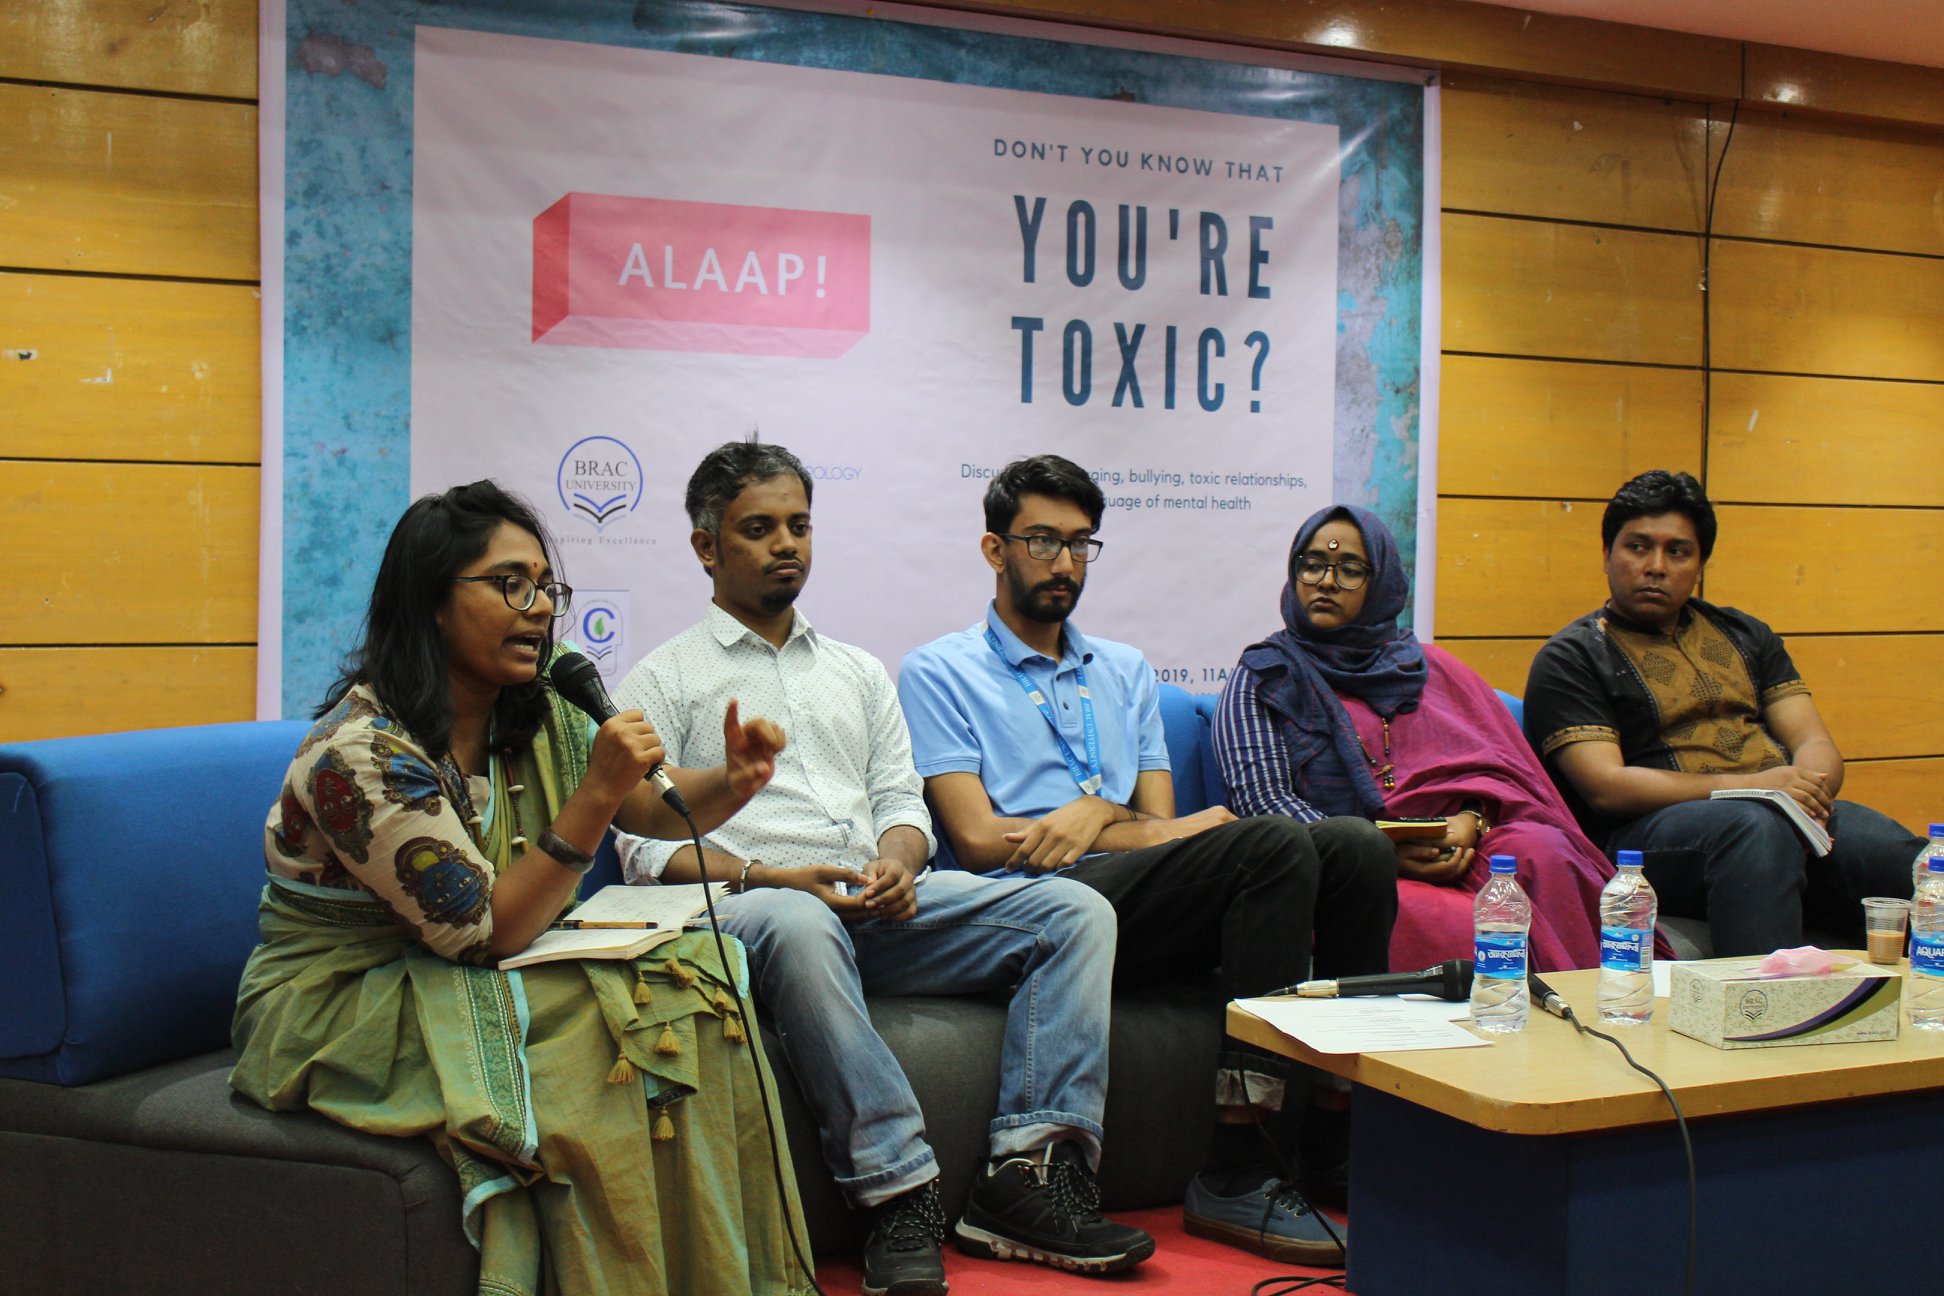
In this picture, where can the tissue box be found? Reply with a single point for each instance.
(1724, 1002)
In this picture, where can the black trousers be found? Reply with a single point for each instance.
(1257, 899)
(1263, 901)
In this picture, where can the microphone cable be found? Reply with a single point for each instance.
(754, 1039)
(1286, 1283)
(1565, 1011)
(575, 678)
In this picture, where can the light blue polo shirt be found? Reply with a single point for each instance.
(967, 714)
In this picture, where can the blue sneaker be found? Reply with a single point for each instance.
(1271, 1219)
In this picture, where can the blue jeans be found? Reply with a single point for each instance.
(1050, 941)
(1741, 866)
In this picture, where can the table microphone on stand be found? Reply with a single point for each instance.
(1449, 980)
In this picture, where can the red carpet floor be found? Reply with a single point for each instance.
(1181, 1266)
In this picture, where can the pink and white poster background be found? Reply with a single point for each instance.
(622, 258)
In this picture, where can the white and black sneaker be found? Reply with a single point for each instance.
(901, 1257)
(1045, 1206)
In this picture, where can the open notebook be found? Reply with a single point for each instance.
(642, 917)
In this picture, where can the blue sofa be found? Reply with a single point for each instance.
(130, 866)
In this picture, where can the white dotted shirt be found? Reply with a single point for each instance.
(844, 780)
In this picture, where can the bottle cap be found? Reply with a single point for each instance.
(1937, 830)
(1630, 859)
(1505, 864)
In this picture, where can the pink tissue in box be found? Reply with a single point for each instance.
(1738, 1003)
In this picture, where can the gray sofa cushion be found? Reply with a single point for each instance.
(165, 1181)
(208, 1192)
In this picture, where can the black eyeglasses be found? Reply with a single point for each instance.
(520, 591)
(1351, 573)
(1047, 547)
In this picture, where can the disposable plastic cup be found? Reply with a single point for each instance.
(1884, 918)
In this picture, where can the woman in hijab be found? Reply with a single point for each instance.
(1344, 712)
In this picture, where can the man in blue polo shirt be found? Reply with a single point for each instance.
(1042, 752)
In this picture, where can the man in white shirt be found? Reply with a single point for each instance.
(831, 895)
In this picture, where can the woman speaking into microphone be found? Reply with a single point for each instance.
(441, 815)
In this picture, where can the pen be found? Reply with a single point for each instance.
(577, 924)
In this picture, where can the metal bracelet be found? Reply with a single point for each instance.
(564, 851)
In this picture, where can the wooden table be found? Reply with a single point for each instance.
(1545, 1164)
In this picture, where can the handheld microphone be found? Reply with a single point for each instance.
(1450, 981)
(578, 680)
(1547, 997)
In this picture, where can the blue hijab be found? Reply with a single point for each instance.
(1300, 670)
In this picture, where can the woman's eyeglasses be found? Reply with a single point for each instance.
(1351, 573)
(520, 591)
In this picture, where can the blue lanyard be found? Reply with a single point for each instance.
(1087, 776)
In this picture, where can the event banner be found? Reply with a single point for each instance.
(624, 249)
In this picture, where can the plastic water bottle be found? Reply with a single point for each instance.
(1926, 989)
(1501, 917)
(1627, 910)
(1932, 849)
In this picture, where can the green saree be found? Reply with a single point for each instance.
(603, 1116)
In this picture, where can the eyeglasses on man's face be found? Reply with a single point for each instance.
(520, 591)
(1047, 547)
(1351, 573)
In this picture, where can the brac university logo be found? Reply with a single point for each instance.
(599, 479)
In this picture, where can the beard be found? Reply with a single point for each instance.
(777, 600)
(1034, 601)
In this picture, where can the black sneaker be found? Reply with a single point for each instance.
(901, 1257)
(1045, 1206)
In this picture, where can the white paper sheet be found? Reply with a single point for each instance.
(1373, 1024)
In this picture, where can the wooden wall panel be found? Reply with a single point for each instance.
(1832, 570)
(1875, 692)
(1835, 83)
(1805, 179)
(205, 48)
(130, 369)
(1503, 662)
(1510, 568)
(1533, 288)
(1909, 791)
(129, 554)
(132, 584)
(127, 184)
(1821, 311)
(57, 692)
(1541, 150)
(1786, 440)
(1562, 430)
